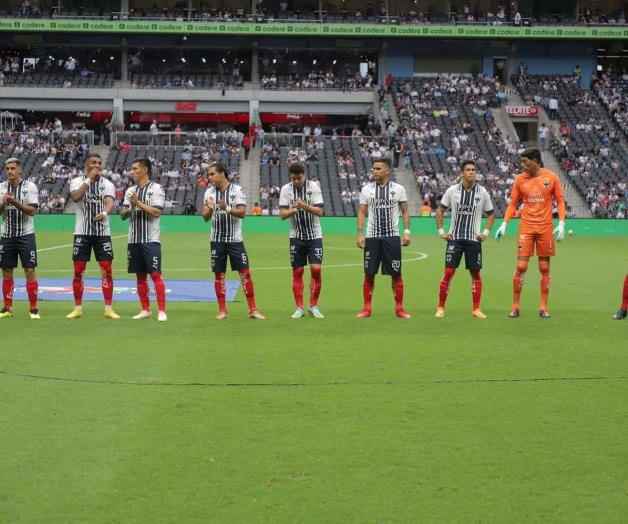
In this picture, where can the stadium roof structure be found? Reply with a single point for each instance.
(59, 25)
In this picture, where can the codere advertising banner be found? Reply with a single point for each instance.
(313, 29)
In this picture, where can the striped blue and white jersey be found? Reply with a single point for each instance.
(92, 204)
(466, 210)
(226, 227)
(16, 223)
(144, 228)
(303, 225)
(383, 208)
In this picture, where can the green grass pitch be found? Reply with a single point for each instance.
(337, 420)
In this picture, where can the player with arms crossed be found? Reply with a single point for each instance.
(621, 312)
(537, 188)
(94, 196)
(225, 205)
(301, 201)
(383, 200)
(467, 201)
(143, 203)
(19, 201)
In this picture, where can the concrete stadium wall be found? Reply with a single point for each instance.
(341, 225)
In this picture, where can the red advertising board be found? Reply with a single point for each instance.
(526, 111)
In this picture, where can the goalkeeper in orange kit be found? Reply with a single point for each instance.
(537, 188)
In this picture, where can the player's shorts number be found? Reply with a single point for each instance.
(107, 248)
(155, 263)
(244, 259)
(396, 265)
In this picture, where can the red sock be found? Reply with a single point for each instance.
(7, 292)
(544, 268)
(517, 282)
(107, 281)
(367, 291)
(316, 282)
(624, 302)
(160, 290)
(142, 291)
(445, 282)
(221, 291)
(476, 288)
(247, 286)
(32, 288)
(297, 286)
(397, 287)
(77, 282)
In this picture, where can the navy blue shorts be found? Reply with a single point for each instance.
(23, 247)
(83, 245)
(144, 258)
(472, 254)
(303, 252)
(234, 250)
(385, 251)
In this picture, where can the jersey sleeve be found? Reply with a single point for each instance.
(209, 195)
(3, 191)
(515, 195)
(284, 197)
(446, 200)
(33, 196)
(317, 195)
(364, 196)
(159, 197)
(402, 195)
(110, 190)
(76, 183)
(127, 197)
(240, 198)
(560, 198)
(488, 203)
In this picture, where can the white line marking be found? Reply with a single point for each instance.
(71, 245)
(420, 256)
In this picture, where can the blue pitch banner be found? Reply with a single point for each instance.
(125, 290)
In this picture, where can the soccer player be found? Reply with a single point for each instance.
(301, 201)
(467, 201)
(143, 203)
(94, 196)
(383, 200)
(621, 312)
(537, 188)
(19, 201)
(225, 203)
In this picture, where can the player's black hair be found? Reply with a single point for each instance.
(467, 163)
(533, 154)
(13, 160)
(220, 167)
(383, 160)
(146, 163)
(90, 155)
(296, 169)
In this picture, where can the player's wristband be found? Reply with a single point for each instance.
(486, 232)
(105, 213)
(406, 231)
(228, 209)
(441, 231)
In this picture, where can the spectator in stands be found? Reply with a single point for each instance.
(257, 209)
(246, 145)
(544, 137)
(553, 107)
(189, 208)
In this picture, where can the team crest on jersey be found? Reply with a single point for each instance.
(546, 184)
(477, 199)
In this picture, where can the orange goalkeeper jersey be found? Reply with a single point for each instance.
(537, 194)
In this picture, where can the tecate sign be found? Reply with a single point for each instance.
(522, 111)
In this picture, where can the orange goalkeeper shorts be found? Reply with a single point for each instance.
(543, 242)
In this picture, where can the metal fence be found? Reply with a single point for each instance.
(163, 138)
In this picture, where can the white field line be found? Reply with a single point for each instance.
(71, 245)
(420, 256)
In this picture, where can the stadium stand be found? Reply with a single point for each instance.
(182, 81)
(445, 120)
(590, 146)
(339, 164)
(180, 169)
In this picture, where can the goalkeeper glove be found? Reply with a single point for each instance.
(501, 231)
(560, 231)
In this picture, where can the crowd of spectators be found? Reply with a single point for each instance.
(588, 144)
(317, 80)
(613, 92)
(373, 12)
